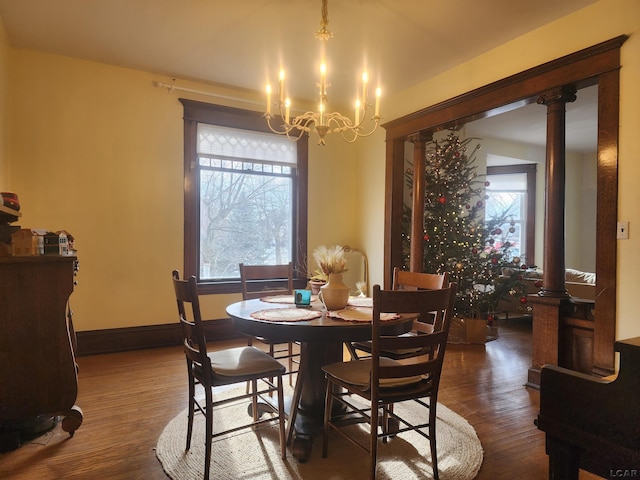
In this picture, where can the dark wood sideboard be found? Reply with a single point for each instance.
(38, 372)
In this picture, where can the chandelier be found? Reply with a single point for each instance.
(322, 121)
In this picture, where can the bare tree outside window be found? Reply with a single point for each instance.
(246, 200)
(245, 218)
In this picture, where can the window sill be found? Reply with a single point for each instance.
(233, 286)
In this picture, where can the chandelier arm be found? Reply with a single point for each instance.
(344, 124)
(304, 121)
(297, 137)
(340, 121)
(373, 129)
(286, 128)
(346, 137)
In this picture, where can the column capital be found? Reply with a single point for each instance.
(564, 94)
(420, 137)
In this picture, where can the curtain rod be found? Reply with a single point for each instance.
(172, 87)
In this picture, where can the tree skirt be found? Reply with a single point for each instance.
(256, 454)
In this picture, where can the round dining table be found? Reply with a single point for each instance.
(321, 342)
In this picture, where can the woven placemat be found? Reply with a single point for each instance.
(360, 314)
(286, 314)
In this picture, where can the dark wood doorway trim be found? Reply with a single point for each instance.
(596, 65)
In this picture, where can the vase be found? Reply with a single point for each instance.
(334, 295)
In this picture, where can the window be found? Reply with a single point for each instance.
(507, 198)
(245, 195)
(511, 194)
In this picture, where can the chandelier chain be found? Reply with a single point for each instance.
(324, 33)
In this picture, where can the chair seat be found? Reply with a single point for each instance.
(359, 373)
(244, 361)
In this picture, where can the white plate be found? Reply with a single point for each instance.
(360, 302)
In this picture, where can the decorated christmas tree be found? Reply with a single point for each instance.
(457, 238)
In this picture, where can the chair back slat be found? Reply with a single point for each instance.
(426, 369)
(427, 341)
(272, 280)
(404, 280)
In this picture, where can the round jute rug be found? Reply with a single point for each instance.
(256, 454)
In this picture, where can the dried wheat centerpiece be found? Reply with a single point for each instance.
(333, 263)
(330, 259)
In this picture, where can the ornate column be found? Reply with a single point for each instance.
(417, 209)
(554, 263)
(547, 305)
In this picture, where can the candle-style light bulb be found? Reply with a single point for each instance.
(287, 104)
(281, 87)
(268, 99)
(365, 80)
(323, 77)
(357, 112)
(377, 109)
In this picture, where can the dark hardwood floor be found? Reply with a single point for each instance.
(127, 399)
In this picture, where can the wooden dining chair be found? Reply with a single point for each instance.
(384, 382)
(224, 367)
(404, 280)
(279, 281)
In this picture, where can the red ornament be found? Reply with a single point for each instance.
(498, 231)
(494, 260)
(474, 250)
(487, 183)
(426, 237)
(480, 204)
(538, 283)
(442, 200)
(523, 300)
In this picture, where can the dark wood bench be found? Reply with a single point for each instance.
(593, 423)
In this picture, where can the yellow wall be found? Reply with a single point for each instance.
(601, 21)
(98, 151)
(369, 176)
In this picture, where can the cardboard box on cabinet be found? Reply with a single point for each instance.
(27, 241)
